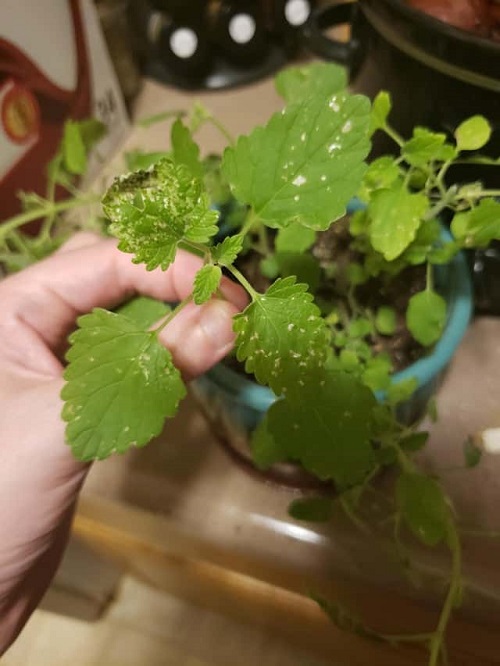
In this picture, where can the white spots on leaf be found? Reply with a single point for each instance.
(291, 327)
(302, 330)
(311, 318)
(292, 147)
(299, 180)
(296, 198)
(91, 359)
(333, 104)
(301, 382)
(333, 147)
(323, 178)
(303, 137)
(347, 127)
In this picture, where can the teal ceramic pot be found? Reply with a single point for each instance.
(234, 404)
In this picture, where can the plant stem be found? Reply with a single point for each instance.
(352, 516)
(244, 282)
(223, 130)
(429, 280)
(394, 135)
(43, 211)
(455, 583)
(489, 193)
(173, 314)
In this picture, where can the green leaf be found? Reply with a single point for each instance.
(269, 267)
(311, 509)
(414, 442)
(265, 449)
(385, 320)
(381, 174)
(144, 311)
(91, 131)
(206, 283)
(326, 427)
(296, 84)
(426, 316)
(381, 108)
(360, 328)
(479, 226)
(138, 160)
(152, 212)
(226, 252)
(402, 391)
(472, 453)
(377, 375)
(305, 164)
(121, 385)
(185, 150)
(396, 216)
(304, 267)
(473, 133)
(295, 238)
(281, 335)
(74, 153)
(427, 146)
(356, 274)
(423, 507)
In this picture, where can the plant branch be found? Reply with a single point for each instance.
(173, 314)
(244, 282)
(43, 211)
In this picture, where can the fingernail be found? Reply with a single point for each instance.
(216, 321)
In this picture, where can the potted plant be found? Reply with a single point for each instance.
(337, 407)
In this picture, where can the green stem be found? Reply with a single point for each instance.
(223, 130)
(43, 211)
(173, 314)
(437, 639)
(394, 135)
(244, 282)
(429, 278)
(249, 222)
(352, 516)
(195, 248)
(489, 193)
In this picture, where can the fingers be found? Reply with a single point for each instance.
(86, 274)
(199, 337)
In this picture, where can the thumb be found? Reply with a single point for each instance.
(200, 336)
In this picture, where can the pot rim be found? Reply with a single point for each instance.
(432, 22)
(460, 302)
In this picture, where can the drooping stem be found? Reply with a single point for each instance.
(437, 639)
(222, 129)
(395, 136)
(42, 211)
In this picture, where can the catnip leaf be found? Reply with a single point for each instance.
(423, 507)
(377, 374)
(426, 146)
(414, 442)
(380, 174)
(401, 391)
(265, 449)
(385, 320)
(295, 84)
(121, 385)
(305, 164)
(473, 133)
(472, 453)
(91, 131)
(281, 335)
(269, 267)
(206, 283)
(479, 226)
(144, 311)
(396, 216)
(151, 212)
(226, 252)
(426, 316)
(311, 509)
(381, 108)
(295, 238)
(304, 267)
(73, 147)
(184, 148)
(327, 430)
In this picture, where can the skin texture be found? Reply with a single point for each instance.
(39, 478)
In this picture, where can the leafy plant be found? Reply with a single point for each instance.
(313, 336)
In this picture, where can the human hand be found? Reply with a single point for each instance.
(39, 478)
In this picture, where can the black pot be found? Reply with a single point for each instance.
(438, 75)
